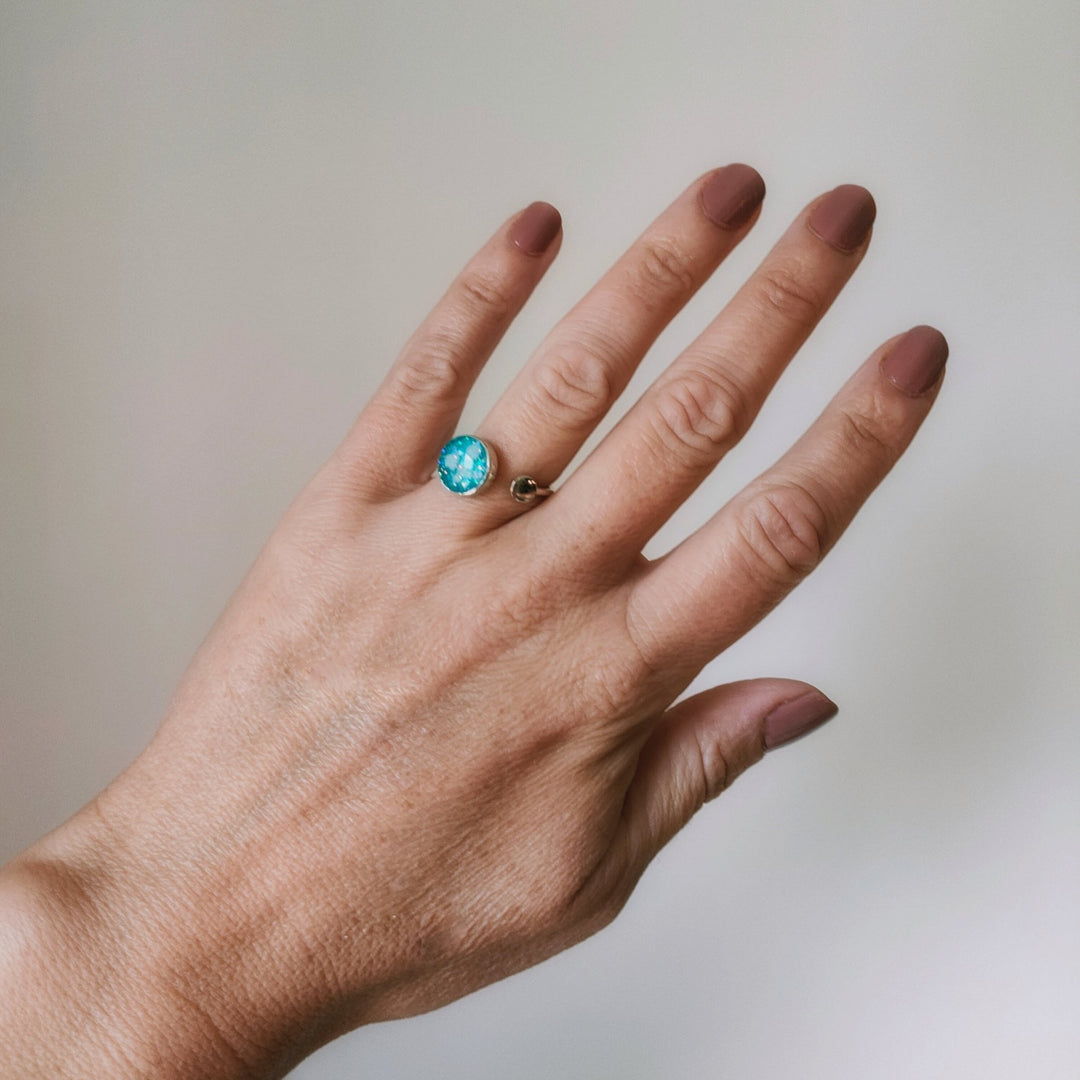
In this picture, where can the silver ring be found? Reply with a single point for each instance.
(467, 465)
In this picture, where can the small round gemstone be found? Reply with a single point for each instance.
(523, 488)
(465, 465)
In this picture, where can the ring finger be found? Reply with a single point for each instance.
(572, 380)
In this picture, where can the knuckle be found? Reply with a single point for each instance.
(715, 770)
(863, 434)
(483, 295)
(663, 269)
(703, 411)
(784, 291)
(435, 368)
(575, 386)
(785, 532)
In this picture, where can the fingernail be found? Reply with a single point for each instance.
(798, 717)
(731, 195)
(844, 216)
(537, 225)
(916, 361)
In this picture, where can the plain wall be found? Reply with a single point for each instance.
(220, 221)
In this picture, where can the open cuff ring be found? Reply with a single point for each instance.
(468, 464)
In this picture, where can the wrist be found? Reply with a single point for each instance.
(82, 996)
(103, 972)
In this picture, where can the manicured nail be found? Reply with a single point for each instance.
(844, 216)
(537, 225)
(797, 717)
(916, 361)
(731, 195)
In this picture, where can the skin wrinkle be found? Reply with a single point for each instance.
(714, 779)
(99, 1008)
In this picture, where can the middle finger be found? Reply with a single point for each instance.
(703, 404)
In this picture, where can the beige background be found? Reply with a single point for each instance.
(218, 223)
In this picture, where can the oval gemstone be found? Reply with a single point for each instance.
(464, 465)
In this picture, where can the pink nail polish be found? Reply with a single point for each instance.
(797, 717)
(536, 227)
(916, 361)
(731, 195)
(843, 218)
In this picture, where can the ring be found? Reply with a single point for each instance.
(468, 465)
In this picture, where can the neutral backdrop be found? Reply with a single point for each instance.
(218, 224)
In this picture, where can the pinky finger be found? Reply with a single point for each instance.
(393, 444)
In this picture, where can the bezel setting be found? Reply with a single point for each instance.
(474, 473)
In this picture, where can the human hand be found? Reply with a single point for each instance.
(431, 741)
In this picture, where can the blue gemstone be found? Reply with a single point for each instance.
(464, 465)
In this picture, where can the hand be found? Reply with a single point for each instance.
(431, 739)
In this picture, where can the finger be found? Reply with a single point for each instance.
(698, 749)
(704, 403)
(394, 443)
(707, 592)
(560, 395)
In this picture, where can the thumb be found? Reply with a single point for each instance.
(702, 744)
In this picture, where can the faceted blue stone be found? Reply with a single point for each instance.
(464, 465)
